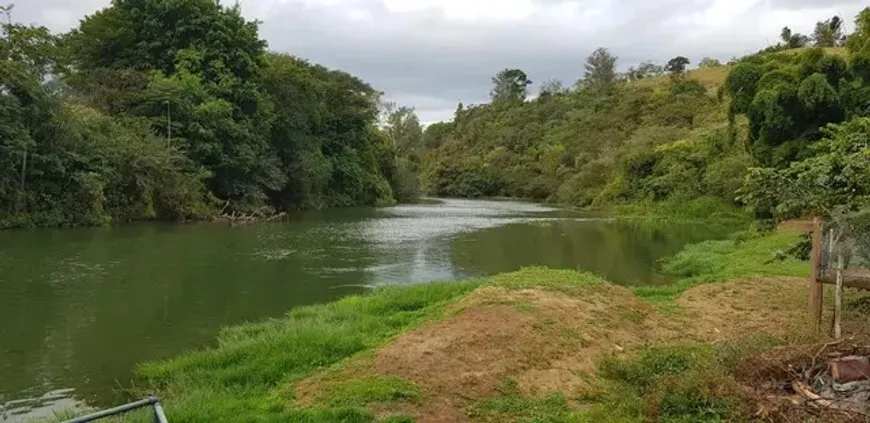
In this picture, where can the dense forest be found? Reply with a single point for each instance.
(174, 109)
(784, 131)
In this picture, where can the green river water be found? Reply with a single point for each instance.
(80, 307)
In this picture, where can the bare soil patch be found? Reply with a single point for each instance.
(745, 307)
(548, 341)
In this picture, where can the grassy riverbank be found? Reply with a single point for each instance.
(537, 345)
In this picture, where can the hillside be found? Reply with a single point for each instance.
(714, 77)
(687, 136)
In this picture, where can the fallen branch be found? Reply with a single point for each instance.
(825, 347)
(820, 403)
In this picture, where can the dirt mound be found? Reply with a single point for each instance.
(551, 341)
(743, 307)
(548, 341)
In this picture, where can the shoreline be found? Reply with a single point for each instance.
(408, 353)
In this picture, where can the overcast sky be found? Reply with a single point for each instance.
(431, 54)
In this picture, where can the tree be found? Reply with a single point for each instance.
(646, 69)
(199, 59)
(858, 43)
(64, 164)
(600, 70)
(325, 137)
(550, 88)
(829, 33)
(510, 85)
(709, 62)
(793, 40)
(785, 35)
(677, 65)
(403, 127)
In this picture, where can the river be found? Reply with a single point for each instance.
(80, 307)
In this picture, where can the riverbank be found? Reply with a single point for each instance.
(534, 345)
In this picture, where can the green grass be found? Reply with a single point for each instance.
(670, 384)
(369, 390)
(707, 209)
(567, 281)
(236, 379)
(742, 256)
(511, 406)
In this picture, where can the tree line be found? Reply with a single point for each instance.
(613, 138)
(174, 109)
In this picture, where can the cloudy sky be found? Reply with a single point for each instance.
(430, 54)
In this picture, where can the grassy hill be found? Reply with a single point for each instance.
(714, 77)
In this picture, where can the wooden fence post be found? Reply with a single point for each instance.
(816, 287)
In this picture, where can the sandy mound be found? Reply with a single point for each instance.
(745, 307)
(548, 341)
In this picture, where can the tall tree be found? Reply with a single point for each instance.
(677, 65)
(600, 69)
(829, 33)
(510, 85)
(197, 60)
(403, 127)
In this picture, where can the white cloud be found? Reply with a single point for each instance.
(433, 53)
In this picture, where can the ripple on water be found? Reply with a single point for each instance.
(273, 254)
(44, 406)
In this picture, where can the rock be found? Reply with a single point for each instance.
(850, 369)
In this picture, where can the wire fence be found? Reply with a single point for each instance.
(847, 245)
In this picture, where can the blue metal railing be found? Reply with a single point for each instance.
(154, 402)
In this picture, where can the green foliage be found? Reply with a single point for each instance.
(67, 165)
(829, 33)
(158, 109)
(837, 174)
(403, 127)
(788, 98)
(589, 146)
(677, 65)
(324, 137)
(211, 85)
(792, 40)
(600, 69)
(510, 85)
